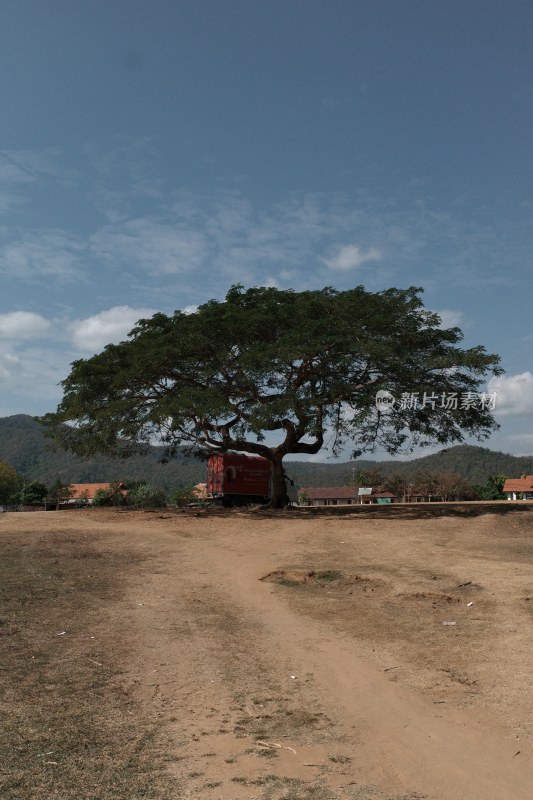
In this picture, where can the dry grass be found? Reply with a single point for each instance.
(68, 728)
(141, 658)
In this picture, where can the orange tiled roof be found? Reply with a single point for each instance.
(519, 484)
(86, 489)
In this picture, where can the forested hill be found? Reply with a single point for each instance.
(23, 445)
(473, 463)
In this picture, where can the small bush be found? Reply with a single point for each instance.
(146, 496)
(184, 496)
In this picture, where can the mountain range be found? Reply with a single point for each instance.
(24, 446)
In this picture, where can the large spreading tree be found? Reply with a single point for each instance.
(272, 372)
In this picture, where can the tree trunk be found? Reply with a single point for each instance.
(279, 497)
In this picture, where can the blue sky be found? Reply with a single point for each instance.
(153, 154)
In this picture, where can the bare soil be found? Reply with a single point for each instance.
(240, 655)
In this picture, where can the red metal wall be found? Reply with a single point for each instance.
(233, 474)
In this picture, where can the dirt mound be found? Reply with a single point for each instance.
(296, 576)
(434, 597)
(363, 582)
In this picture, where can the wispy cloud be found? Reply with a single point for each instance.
(150, 245)
(9, 364)
(39, 163)
(153, 232)
(22, 170)
(38, 254)
(13, 182)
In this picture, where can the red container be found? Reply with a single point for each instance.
(230, 475)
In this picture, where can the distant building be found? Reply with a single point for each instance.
(519, 488)
(85, 492)
(344, 496)
(348, 495)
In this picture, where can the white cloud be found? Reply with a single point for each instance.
(30, 377)
(514, 394)
(23, 325)
(351, 256)
(108, 327)
(450, 318)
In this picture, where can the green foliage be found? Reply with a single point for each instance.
(33, 493)
(492, 489)
(59, 492)
(303, 497)
(101, 498)
(112, 496)
(146, 496)
(264, 361)
(9, 481)
(372, 476)
(83, 498)
(183, 497)
(396, 484)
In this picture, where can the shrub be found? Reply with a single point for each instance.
(33, 493)
(184, 496)
(147, 496)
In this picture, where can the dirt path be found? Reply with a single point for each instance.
(254, 667)
(401, 743)
(334, 691)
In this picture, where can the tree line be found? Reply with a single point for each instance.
(446, 485)
(15, 490)
(23, 445)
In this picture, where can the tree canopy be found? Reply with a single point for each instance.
(273, 372)
(31, 493)
(9, 481)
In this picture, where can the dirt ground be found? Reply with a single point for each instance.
(270, 656)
